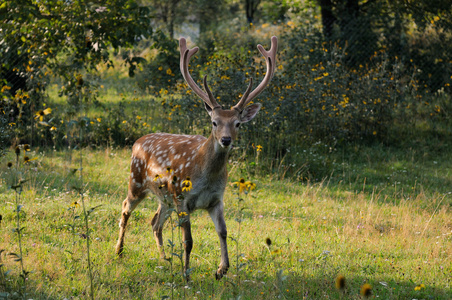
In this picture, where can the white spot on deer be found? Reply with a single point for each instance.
(131, 174)
(177, 156)
(187, 164)
(159, 160)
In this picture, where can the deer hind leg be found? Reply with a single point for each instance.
(184, 221)
(157, 222)
(128, 206)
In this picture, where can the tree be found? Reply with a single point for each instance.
(167, 12)
(68, 38)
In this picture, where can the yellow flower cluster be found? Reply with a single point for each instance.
(243, 185)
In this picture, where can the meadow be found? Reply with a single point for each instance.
(383, 218)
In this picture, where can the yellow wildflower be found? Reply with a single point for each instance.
(240, 184)
(250, 185)
(75, 204)
(366, 290)
(186, 185)
(419, 287)
(157, 177)
(40, 114)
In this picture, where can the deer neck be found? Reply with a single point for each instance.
(215, 157)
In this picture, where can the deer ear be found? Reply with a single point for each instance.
(249, 112)
(208, 108)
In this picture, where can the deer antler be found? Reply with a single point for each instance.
(270, 58)
(185, 56)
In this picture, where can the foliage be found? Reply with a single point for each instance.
(315, 97)
(162, 72)
(67, 39)
(410, 31)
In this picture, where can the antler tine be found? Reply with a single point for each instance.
(242, 101)
(270, 58)
(185, 56)
(209, 93)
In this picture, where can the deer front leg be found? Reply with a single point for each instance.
(184, 221)
(217, 215)
(157, 226)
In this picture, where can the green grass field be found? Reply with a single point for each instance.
(382, 218)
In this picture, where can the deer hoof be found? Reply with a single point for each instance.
(119, 251)
(220, 273)
(218, 276)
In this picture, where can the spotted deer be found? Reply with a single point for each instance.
(189, 172)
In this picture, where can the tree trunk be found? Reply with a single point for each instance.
(251, 8)
(328, 18)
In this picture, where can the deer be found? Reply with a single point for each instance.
(189, 172)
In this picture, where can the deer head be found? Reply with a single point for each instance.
(225, 122)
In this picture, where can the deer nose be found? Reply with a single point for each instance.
(226, 141)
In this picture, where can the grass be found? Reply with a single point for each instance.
(371, 222)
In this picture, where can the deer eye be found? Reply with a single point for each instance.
(214, 124)
(237, 125)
